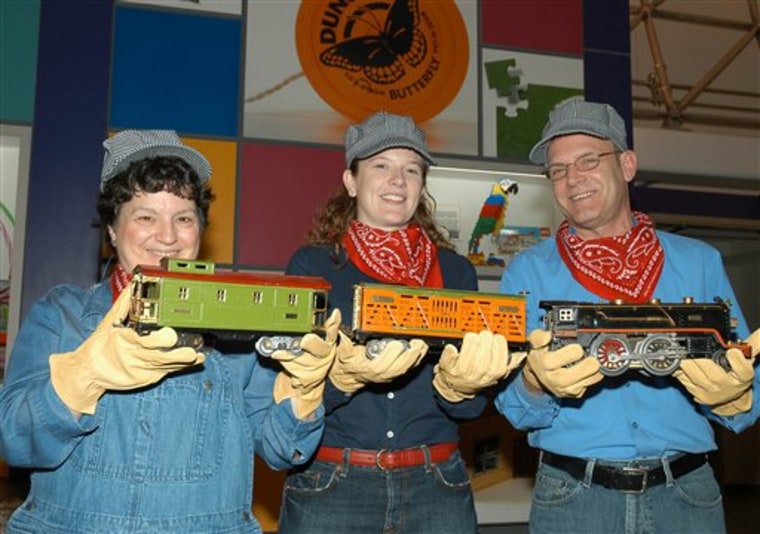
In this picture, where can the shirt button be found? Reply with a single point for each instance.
(391, 395)
(390, 434)
(635, 425)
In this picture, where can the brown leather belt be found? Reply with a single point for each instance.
(388, 459)
(627, 479)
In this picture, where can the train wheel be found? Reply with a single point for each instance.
(265, 346)
(294, 346)
(719, 357)
(612, 352)
(661, 355)
(375, 347)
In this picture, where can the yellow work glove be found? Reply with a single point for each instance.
(116, 357)
(303, 375)
(353, 369)
(565, 372)
(725, 392)
(482, 362)
(744, 402)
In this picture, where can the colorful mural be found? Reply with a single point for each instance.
(230, 77)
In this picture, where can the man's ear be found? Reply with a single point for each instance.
(629, 164)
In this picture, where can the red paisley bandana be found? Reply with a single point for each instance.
(624, 267)
(120, 279)
(406, 256)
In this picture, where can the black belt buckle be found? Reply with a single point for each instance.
(628, 472)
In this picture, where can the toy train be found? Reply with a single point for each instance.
(437, 316)
(239, 312)
(652, 337)
(231, 311)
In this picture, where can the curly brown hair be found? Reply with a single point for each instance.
(152, 175)
(332, 221)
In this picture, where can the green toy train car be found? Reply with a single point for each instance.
(231, 311)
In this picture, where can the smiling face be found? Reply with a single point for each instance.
(596, 202)
(152, 226)
(387, 187)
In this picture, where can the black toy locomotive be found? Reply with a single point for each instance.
(651, 337)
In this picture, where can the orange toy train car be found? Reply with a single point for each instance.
(437, 316)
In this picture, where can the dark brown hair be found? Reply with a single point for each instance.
(153, 175)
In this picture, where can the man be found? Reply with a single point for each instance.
(625, 453)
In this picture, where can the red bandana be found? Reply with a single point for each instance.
(120, 279)
(624, 267)
(406, 256)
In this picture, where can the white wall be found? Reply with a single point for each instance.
(15, 150)
(460, 193)
(699, 154)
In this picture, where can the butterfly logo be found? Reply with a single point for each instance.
(383, 54)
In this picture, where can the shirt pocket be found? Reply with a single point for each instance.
(172, 432)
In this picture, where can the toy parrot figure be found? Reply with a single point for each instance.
(491, 218)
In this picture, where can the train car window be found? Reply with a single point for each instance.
(258, 297)
(566, 314)
(150, 290)
(184, 293)
(221, 295)
(292, 299)
(320, 301)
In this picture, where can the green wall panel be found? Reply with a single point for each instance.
(19, 32)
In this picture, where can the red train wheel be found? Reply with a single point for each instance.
(612, 352)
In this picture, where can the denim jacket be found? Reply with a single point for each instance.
(173, 457)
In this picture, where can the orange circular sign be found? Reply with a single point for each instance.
(404, 56)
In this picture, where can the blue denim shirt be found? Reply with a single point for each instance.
(173, 457)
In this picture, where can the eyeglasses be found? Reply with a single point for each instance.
(589, 162)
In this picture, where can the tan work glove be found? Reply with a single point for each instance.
(482, 362)
(116, 357)
(565, 372)
(353, 369)
(303, 377)
(725, 392)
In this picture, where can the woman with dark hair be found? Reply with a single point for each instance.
(389, 458)
(126, 432)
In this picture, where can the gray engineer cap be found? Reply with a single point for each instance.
(382, 131)
(576, 116)
(132, 145)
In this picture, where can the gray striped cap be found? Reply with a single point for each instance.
(132, 145)
(383, 131)
(576, 116)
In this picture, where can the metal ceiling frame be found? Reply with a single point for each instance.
(679, 112)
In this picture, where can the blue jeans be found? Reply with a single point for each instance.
(690, 504)
(329, 498)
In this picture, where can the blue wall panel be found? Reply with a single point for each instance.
(176, 70)
(607, 78)
(61, 245)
